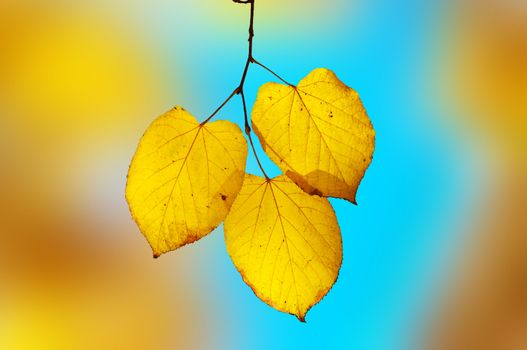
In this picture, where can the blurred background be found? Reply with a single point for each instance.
(435, 255)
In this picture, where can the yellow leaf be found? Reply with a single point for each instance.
(184, 178)
(285, 243)
(318, 133)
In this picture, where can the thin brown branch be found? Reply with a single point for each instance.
(240, 89)
(220, 107)
(251, 36)
(250, 60)
(272, 72)
(248, 133)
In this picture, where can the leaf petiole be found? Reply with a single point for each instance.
(272, 72)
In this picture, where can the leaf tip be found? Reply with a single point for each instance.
(156, 255)
(301, 318)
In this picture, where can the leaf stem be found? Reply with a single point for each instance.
(248, 133)
(220, 107)
(272, 72)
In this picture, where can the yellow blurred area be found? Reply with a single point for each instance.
(77, 87)
(484, 75)
(485, 72)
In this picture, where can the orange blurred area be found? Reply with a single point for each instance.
(484, 76)
(484, 72)
(77, 86)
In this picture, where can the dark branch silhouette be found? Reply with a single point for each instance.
(239, 90)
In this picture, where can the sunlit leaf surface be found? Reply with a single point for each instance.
(318, 133)
(184, 178)
(285, 243)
